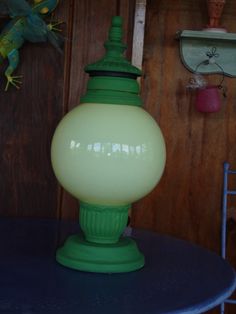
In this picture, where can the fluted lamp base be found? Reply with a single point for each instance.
(123, 256)
(101, 248)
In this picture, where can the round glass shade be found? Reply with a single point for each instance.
(108, 154)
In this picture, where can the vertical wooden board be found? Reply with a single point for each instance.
(187, 201)
(126, 9)
(138, 34)
(91, 22)
(90, 26)
(27, 120)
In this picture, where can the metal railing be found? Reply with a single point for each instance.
(226, 193)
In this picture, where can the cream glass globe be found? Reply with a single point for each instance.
(108, 154)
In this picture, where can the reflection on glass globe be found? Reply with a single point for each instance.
(108, 154)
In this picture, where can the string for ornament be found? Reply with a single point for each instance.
(198, 80)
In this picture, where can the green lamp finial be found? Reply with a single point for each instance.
(113, 78)
(115, 32)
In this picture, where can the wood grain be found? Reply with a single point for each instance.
(138, 36)
(187, 201)
(27, 120)
(52, 85)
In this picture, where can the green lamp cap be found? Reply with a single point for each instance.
(113, 79)
(114, 60)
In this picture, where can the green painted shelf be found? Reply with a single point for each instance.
(208, 52)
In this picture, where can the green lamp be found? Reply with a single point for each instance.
(108, 152)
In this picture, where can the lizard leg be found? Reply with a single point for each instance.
(53, 26)
(13, 58)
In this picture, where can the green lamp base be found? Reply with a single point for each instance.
(123, 256)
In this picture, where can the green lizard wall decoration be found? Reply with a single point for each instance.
(27, 24)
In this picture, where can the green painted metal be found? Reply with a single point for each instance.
(113, 78)
(195, 47)
(120, 257)
(101, 248)
(103, 223)
(112, 90)
(26, 24)
(114, 60)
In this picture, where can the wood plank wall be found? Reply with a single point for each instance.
(187, 201)
(52, 85)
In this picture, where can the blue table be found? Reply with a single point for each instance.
(178, 277)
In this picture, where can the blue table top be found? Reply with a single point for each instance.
(178, 277)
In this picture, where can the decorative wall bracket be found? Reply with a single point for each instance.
(208, 52)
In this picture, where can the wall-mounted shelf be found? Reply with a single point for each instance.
(216, 47)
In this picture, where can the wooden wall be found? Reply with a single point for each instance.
(187, 201)
(52, 85)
